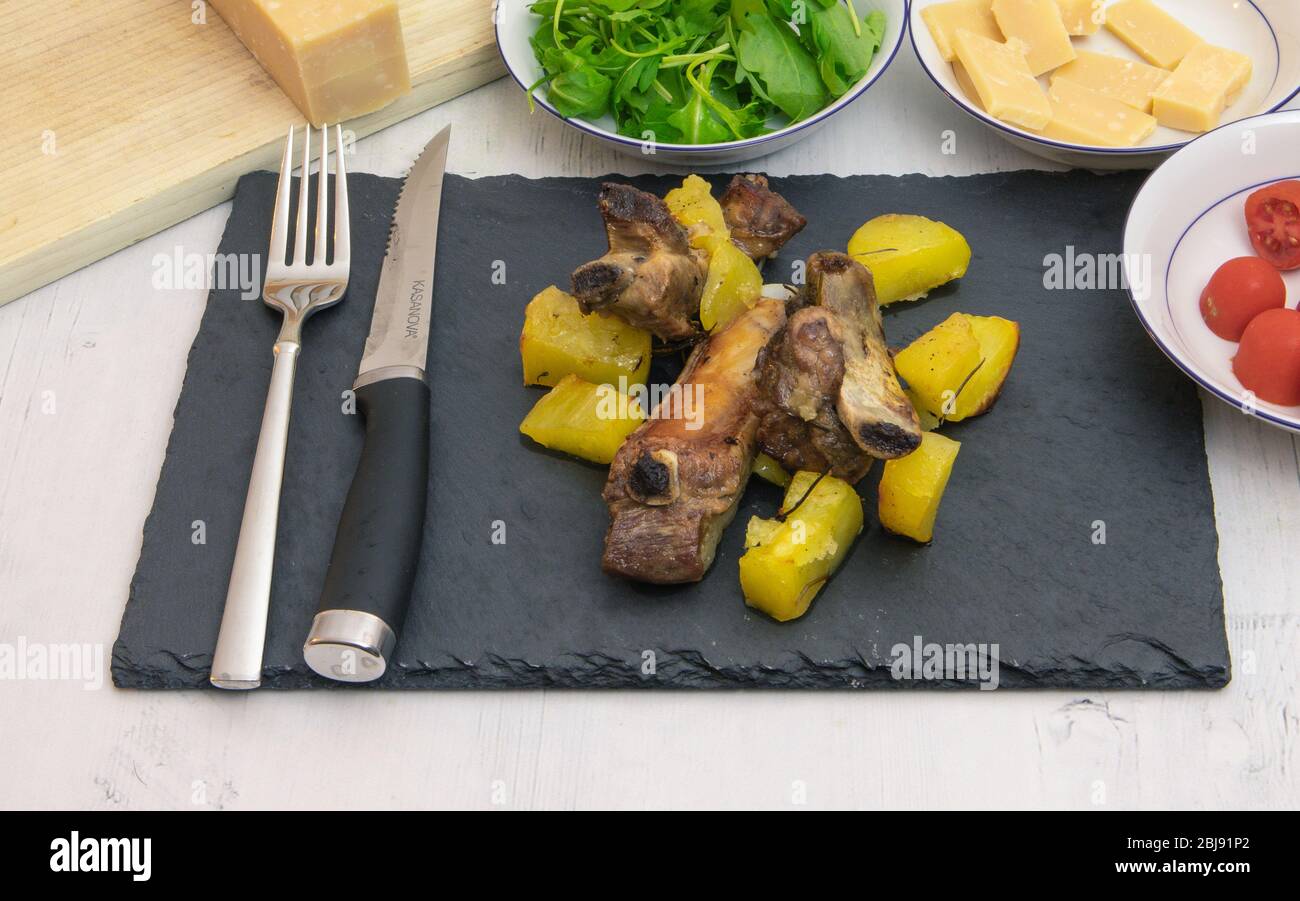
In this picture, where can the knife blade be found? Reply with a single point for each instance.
(399, 328)
(377, 547)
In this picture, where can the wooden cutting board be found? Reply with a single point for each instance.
(122, 117)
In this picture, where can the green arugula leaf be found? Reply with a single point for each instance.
(628, 81)
(742, 8)
(698, 124)
(843, 54)
(654, 124)
(580, 93)
(617, 6)
(723, 102)
(772, 51)
(875, 23)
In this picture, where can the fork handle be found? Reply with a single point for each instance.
(237, 661)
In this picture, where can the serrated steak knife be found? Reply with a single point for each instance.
(368, 583)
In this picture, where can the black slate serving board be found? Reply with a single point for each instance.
(1094, 427)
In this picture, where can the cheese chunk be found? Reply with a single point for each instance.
(1125, 80)
(336, 59)
(1036, 24)
(1007, 90)
(1218, 66)
(1205, 82)
(1154, 35)
(1083, 116)
(1082, 16)
(967, 86)
(944, 19)
(1187, 105)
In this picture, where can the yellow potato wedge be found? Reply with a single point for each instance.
(587, 421)
(559, 340)
(733, 283)
(937, 365)
(999, 341)
(909, 256)
(929, 422)
(786, 563)
(769, 470)
(911, 487)
(957, 369)
(696, 210)
(732, 286)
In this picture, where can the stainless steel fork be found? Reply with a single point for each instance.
(297, 288)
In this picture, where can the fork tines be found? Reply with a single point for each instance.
(320, 256)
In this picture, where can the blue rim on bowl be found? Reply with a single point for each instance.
(1190, 371)
(1088, 148)
(853, 94)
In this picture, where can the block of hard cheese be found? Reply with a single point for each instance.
(1154, 35)
(965, 84)
(1205, 82)
(944, 19)
(1036, 24)
(1125, 80)
(1006, 89)
(1219, 65)
(1082, 17)
(336, 59)
(1083, 116)
(1187, 105)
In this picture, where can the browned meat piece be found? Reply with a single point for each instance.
(828, 381)
(761, 220)
(651, 277)
(677, 480)
(802, 371)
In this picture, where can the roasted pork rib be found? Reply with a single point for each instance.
(650, 277)
(674, 487)
(761, 220)
(801, 373)
(830, 399)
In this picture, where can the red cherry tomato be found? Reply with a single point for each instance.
(1273, 220)
(1268, 362)
(1239, 291)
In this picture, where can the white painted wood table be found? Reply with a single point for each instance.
(90, 369)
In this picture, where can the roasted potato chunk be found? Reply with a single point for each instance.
(733, 283)
(696, 210)
(911, 487)
(937, 365)
(587, 421)
(769, 470)
(559, 339)
(787, 562)
(957, 369)
(929, 422)
(732, 286)
(909, 256)
(999, 341)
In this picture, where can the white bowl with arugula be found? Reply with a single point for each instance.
(698, 82)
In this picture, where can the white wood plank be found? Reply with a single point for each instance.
(75, 487)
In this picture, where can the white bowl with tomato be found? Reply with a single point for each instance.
(1212, 261)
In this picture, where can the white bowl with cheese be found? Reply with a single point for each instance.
(1265, 31)
(1187, 220)
(516, 24)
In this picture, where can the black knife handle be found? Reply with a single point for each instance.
(377, 547)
